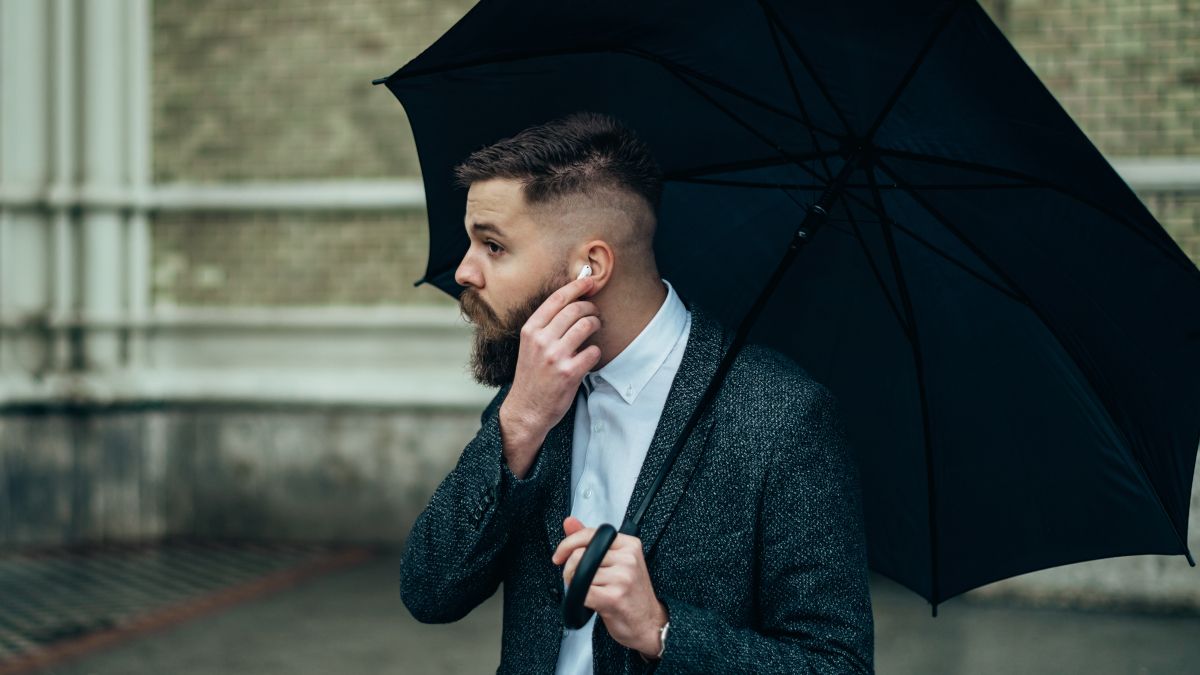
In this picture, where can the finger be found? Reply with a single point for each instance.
(614, 576)
(570, 542)
(572, 563)
(585, 360)
(569, 316)
(600, 598)
(608, 562)
(557, 300)
(571, 525)
(626, 542)
(579, 332)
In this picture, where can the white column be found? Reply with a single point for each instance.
(62, 190)
(24, 139)
(105, 148)
(138, 66)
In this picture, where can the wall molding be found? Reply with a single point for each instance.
(410, 356)
(1143, 174)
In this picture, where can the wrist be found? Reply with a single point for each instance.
(520, 446)
(656, 642)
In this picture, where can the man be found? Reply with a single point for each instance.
(752, 555)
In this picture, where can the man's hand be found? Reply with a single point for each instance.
(548, 371)
(621, 592)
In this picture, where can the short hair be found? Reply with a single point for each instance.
(581, 153)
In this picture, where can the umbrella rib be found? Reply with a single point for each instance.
(791, 79)
(487, 60)
(753, 184)
(918, 364)
(744, 164)
(1105, 403)
(773, 17)
(914, 66)
(1175, 255)
(794, 159)
(679, 68)
(875, 269)
(629, 51)
(918, 238)
(863, 186)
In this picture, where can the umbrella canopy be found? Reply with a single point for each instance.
(1013, 339)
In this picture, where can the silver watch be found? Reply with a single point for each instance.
(662, 638)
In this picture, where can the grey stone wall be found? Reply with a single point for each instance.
(263, 472)
(278, 259)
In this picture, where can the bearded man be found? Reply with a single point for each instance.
(752, 555)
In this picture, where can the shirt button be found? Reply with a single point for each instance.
(597, 427)
(587, 492)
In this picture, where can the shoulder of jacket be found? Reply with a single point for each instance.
(767, 385)
(765, 368)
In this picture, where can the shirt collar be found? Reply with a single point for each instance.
(631, 369)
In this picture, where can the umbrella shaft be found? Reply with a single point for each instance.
(813, 219)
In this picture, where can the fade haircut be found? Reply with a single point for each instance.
(585, 159)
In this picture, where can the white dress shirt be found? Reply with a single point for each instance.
(616, 415)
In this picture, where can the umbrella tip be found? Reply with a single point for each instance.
(420, 281)
(379, 80)
(934, 610)
(1188, 554)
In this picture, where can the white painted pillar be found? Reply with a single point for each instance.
(64, 264)
(138, 66)
(24, 140)
(105, 149)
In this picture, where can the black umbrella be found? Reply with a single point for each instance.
(1013, 339)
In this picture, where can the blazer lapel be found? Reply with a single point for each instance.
(707, 343)
(557, 450)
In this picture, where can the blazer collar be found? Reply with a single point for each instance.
(707, 342)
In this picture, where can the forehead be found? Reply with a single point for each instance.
(497, 198)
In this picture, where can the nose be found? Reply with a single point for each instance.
(467, 273)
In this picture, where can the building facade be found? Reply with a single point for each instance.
(210, 226)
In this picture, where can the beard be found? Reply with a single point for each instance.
(497, 340)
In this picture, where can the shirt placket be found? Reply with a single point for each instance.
(588, 506)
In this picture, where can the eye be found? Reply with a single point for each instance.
(491, 244)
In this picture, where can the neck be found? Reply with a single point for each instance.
(625, 313)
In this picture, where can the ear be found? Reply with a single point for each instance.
(599, 255)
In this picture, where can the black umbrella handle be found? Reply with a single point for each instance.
(575, 615)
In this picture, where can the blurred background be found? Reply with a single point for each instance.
(223, 402)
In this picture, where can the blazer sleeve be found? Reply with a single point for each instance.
(814, 605)
(455, 555)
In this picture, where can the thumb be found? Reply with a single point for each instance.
(571, 525)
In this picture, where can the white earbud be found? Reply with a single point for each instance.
(585, 272)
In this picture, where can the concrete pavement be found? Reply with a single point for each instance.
(352, 621)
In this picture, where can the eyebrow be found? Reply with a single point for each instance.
(488, 227)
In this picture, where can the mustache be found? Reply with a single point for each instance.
(475, 310)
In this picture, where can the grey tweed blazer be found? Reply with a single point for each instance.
(755, 543)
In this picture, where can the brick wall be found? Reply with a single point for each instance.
(1128, 71)
(281, 89)
(291, 258)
